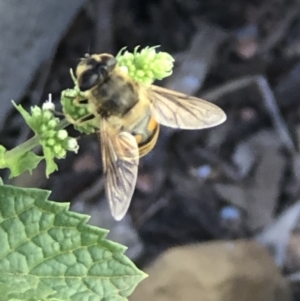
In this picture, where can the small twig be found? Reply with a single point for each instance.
(189, 77)
(152, 210)
(279, 31)
(269, 103)
(271, 106)
(229, 87)
(95, 189)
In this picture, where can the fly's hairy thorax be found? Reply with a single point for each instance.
(115, 96)
(126, 106)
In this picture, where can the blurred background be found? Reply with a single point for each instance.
(215, 214)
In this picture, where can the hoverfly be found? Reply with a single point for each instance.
(130, 115)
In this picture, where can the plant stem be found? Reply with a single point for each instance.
(22, 148)
(30, 144)
(63, 124)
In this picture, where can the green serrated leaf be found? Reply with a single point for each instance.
(48, 252)
(2, 159)
(27, 162)
(23, 112)
(19, 163)
(51, 166)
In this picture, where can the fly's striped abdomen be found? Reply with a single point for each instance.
(147, 145)
(146, 134)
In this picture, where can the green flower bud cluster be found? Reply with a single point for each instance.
(45, 125)
(74, 113)
(147, 65)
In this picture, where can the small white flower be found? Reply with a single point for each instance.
(48, 104)
(62, 134)
(73, 145)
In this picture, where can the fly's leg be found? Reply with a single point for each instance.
(80, 102)
(81, 120)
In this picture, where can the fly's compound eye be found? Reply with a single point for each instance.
(102, 71)
(92, 77)
(88, 80)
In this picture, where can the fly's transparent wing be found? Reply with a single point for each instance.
(178, 110)
(120, 156)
